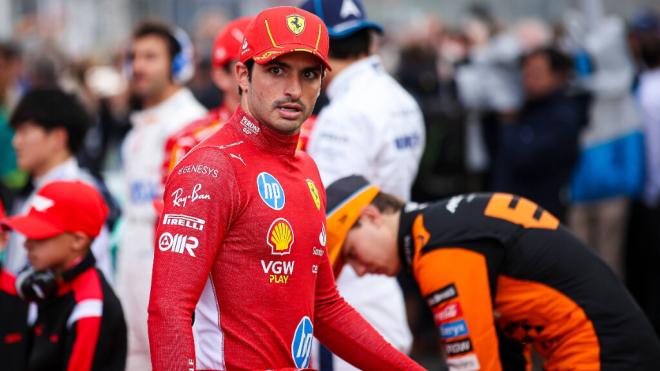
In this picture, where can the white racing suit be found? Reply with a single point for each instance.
(372, 127)
(142, 153)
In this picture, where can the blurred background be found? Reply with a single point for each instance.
(463, 62)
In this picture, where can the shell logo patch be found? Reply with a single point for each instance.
(280, 237)
(315, 194)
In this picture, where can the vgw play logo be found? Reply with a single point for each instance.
(271, 191)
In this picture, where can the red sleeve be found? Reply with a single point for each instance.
(343, 330)
(197, 213)
(85, 318)
(167, 164)
(84, 346)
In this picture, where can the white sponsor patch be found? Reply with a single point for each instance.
(249, 127)
(184, 221)
(464, 363)
(41, 203)
(178, 243)
(181, 200)
(453, 203)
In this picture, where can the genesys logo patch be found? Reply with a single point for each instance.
(271, 191)
(442, 295)
(453, 330)
(184, 221)
(454, 348)
(447, 312)
(301, 346)
(200, 169)
(280, 237)
(178, 243)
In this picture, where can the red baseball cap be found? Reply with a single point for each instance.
(227, 45)
(61, 206)
(282, 30)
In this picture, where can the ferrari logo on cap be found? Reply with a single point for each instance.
(296, 23)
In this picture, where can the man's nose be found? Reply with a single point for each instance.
(294, 87)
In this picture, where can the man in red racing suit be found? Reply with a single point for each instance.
(243, 227)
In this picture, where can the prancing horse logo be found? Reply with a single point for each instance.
(296, 23)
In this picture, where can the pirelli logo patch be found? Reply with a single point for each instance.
(454, 348)
(440, 296)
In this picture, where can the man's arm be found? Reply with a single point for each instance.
(339, 327)
(462, 306)
(197, 213)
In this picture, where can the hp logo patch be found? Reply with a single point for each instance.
(271, 191)
(301, 346)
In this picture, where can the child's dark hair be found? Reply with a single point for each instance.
(52, 108)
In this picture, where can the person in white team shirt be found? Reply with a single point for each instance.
(50, 127)
(160, 62)
(372, 127)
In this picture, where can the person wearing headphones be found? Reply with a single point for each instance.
(499, 273)
(225, 53)
(79, 323)
(160, 62)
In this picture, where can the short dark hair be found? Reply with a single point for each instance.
(560, 63)
(159, 29)
(650, 50)
(52, 108)
(250, 66)
(387, 203)
(352, 46)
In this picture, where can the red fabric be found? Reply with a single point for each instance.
(227, 44)
(182, 141)
(285, 29)
(86, 286)
(7, 282)
(62, 206)
(306, 132)
(228, 232)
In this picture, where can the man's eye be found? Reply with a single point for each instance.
(310, 75)
(276, 70)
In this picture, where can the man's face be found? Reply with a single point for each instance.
(370, 248)
(282, 93)
(150, 65)
(538, 77)
(225, 79)
(35, 146)
(50, 253)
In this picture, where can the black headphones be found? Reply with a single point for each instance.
(36, 286)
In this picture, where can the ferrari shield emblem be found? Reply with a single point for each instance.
(296, 23)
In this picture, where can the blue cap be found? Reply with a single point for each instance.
(342, 17)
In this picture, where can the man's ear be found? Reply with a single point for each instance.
(372, 214)
(80, 241)
(61, 137)
(242, 76)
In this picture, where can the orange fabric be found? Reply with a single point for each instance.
(341, 220)
(523, 213)
(558, 328)
(467, 272)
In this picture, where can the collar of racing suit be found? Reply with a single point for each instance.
(263, 136)
(405, 237)
(83, 265)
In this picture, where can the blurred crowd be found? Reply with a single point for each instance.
(564, 113)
